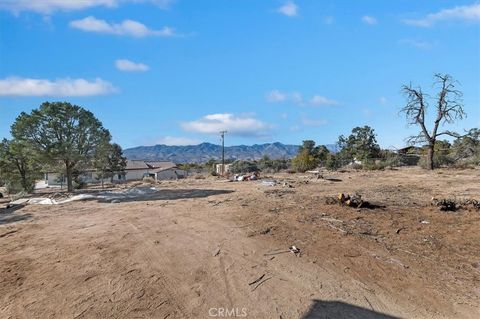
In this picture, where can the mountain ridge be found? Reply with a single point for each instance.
(205, 151)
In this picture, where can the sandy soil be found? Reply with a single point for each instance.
(192, 250)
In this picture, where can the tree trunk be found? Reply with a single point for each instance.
(431, 150)
(69, 176)
(25, 185)
(23, 176)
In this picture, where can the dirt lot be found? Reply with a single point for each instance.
(195, 249)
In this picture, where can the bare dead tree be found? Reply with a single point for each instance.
(448, 105)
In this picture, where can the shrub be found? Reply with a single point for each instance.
(19, 195)
(12, 187)
(332, 162)
(304, 162)
(148, 179)
(438, 161)
(357, 166)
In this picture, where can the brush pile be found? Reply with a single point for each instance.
(452, 205)
(342, 199)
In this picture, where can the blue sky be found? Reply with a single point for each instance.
(177, 72)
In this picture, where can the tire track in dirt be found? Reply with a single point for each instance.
(156, 261)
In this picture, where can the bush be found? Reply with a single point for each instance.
(79, 184)
(439, 160)
(332, 163)
(18, 195)
(12, 187)
(304, 162)
(148, 179)
(381, 164)
(464, 165)
(357, 166)
(241, 167)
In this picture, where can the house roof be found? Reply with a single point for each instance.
(160, 169)
(160, 164)
(141, 164)
(136, 164)
(407, 149)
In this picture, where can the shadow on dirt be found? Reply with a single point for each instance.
(369, 205)
(333, 180)
(8, 215)
(160, 194)
(337, 309)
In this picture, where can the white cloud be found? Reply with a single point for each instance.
(130, 66)
(15, 86)
(163, 4)
(318, 100)
(462, 13)
(306, 121)
(296, 98)
(275, 96)
(126, 27)
(383, 100)
(242, 125)
(294, 128)
(424, 45)
(289, 9)
(176, 140)
(50, 6)
(367, 112)
(369, 20)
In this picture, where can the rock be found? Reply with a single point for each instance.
(115, 201)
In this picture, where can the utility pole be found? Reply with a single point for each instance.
(222, 134)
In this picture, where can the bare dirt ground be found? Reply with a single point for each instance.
(197, 246)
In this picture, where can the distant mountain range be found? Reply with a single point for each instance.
(205, 151)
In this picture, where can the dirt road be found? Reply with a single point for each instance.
(193, 251)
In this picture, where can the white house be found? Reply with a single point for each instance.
(135, 170)
(159, 170)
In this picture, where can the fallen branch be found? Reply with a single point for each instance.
(8, 233)
(415, 254)
(277, 253)
(328, 219)
(257, 280)
(369, 303)
(243, 226)
(339, 229)
(260, 283)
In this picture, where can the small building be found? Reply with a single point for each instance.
(226, 169)
(135, 170)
